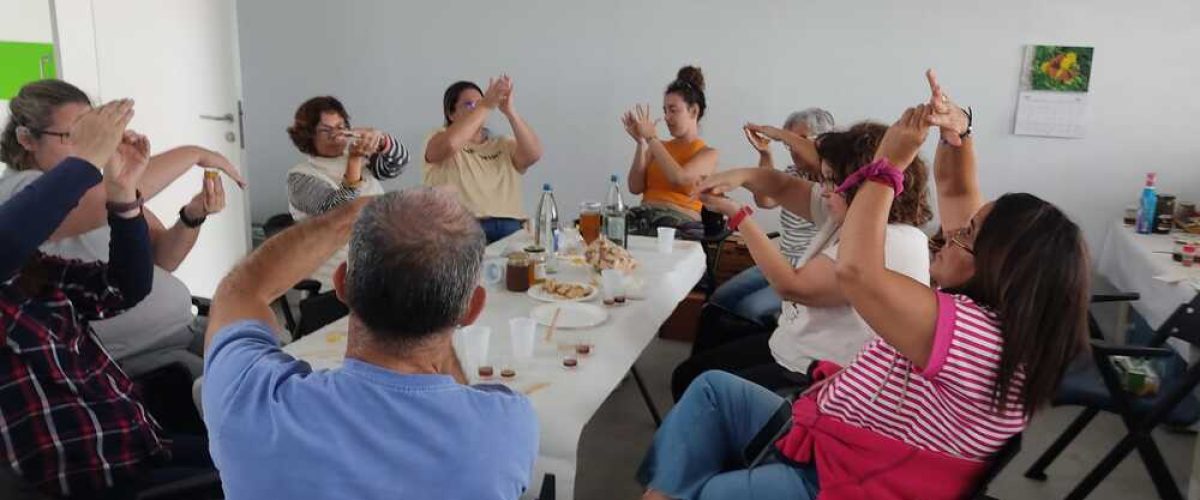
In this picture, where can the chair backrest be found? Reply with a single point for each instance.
(1184, 324)
(277, 223)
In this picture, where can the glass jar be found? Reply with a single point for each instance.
(518, 274)
(537, 264)
(589, 221)
(1164, 214)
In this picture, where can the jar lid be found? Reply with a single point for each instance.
(534, 249)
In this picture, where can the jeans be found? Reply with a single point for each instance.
(709, 429)
(750, 296)
(497, 228)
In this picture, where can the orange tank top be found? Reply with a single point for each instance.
(659, 189)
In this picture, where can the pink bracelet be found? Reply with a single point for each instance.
(881, 171)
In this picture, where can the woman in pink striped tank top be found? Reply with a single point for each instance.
(955, 372)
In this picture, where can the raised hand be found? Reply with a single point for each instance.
(630, 124)
(216, 161)
(497, 90)
(506, 100)
(944, 113)
(123, 170)
(210, 199)
(644, 122)
(759, 142)
(98, 132)
(369, 141)
(904, 138)
(772, 133)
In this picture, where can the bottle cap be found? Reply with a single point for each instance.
(613, 178)
(546, 186)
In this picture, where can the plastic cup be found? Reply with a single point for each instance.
(612, 285)
(475, 341)
(666, 239)
(523, 332)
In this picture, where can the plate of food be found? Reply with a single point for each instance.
(562, 291)
(603, 254)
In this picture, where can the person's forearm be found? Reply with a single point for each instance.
(173, 245)
(167, 166)
(637, 170)
(763, 201)
(804, 147)
(954, 169)
(860, 261)
(457, 135)
(529, 147)
(674, 172)
(29, 218)
(130, 264)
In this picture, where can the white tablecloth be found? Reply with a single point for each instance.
(1142, 263)
(571, 397)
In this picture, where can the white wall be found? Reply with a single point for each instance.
(578, 65)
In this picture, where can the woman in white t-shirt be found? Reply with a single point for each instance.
(817, 321)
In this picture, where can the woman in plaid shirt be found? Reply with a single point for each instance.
(70, 422)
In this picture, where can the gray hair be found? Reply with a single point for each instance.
(818, 120)
(415, 258)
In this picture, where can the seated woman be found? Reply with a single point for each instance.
(484, 168)
(71, 423)
(340, 164)
(953, 375)
(817, 321)
(666, 173)
(748, 295)
(162, 329)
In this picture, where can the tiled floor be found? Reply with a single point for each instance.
(614, 441)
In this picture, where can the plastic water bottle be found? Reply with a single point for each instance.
(1147, 206)
(614, 214)
(545, 227)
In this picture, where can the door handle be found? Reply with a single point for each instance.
(227, 117)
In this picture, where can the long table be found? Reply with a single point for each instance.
(564, 400)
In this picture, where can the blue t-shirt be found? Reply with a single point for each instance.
(279, 430)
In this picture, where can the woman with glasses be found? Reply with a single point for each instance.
(162, 328)
(484, 168)
(340, 164)
(817, 322)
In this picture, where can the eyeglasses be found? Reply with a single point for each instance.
(331, 132)
(958, 238)
(63, 137)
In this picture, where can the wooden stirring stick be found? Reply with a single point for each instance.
(536, 387)
(553, 324)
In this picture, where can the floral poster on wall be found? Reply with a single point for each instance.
(1061, 69)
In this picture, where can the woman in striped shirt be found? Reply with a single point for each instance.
(340, 164)
(955, 373)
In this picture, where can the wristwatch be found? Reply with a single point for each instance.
(191, 223)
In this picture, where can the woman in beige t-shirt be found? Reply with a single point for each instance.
(484, 168)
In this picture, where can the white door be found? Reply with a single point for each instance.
(178, 60)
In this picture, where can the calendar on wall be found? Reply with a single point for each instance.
(1053, 100)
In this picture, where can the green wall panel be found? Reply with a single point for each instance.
(21, 63)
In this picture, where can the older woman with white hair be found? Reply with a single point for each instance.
(748, 295)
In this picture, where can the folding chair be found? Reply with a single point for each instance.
(1095, 384)
(316, 308)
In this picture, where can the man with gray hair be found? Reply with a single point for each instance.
(396, 420)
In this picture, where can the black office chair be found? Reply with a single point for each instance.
(1094, 383)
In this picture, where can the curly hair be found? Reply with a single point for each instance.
(689, 86)
(847, 151)
(308, 116)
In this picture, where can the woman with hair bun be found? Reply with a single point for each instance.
(666, 172)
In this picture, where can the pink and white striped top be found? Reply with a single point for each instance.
(945, 407)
